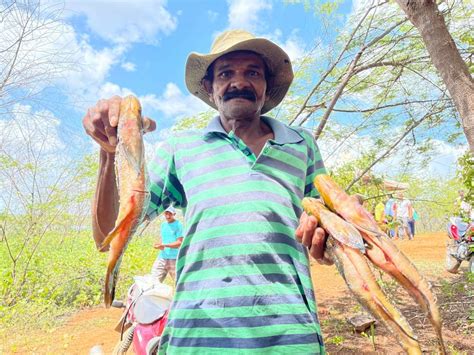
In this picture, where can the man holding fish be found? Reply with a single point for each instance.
(243, 279)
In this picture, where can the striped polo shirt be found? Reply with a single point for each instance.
(243, 281)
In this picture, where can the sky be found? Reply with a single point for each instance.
(118, 47)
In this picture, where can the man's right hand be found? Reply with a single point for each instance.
(101, 122)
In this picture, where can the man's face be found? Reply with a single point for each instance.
(239, 86)
(169, 217)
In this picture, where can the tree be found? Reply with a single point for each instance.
(426, 17)
(34, 53)
(374, 90)
(42, 189)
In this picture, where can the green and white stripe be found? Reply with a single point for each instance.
(243, 281)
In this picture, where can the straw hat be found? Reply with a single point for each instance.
(278, 63)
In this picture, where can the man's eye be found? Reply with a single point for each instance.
(224, 74)
(254, 73)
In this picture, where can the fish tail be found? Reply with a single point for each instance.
(115, 259)
(356, 272)
(386, 256)
(121, 231)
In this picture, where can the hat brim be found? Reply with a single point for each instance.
(278, 62)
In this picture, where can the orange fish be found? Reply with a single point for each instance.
(339, 229)
(131, 184)
(353, 267)
(381, 251)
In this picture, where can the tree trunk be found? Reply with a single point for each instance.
(425, 16)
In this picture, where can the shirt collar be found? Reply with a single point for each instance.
(282, 132)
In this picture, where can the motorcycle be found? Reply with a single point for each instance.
(460, 246)
(144, 316)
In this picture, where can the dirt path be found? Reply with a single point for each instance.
(95, 326)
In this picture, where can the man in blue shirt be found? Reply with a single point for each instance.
(171, 239)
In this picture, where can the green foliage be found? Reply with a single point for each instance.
(370, 335)
(198, 121)
(466, 175)
(346, 173)
(336, 340)
(318, 6)
(433, 199)
(65, 274)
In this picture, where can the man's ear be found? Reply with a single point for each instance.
(207, 85)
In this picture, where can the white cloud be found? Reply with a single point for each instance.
(125, 21)
(173, 103)
(212, 15)
(336, 152)
(30, 132)
(109, 89)
(294, 45)
(86, 80)
(129, 66)
(442, 161)
(244, 14)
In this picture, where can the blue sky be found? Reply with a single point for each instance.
(140, 47)
(149, 59)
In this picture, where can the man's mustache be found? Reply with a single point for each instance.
(244, 94)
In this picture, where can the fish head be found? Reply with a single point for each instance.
(345, 205)
(330, 192)
(131, 112)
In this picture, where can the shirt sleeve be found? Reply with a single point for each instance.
(315, 165)
(179, 230)
(164, 186)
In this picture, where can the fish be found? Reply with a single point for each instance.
(340, 230)
(381, 251)
(353, 267)
(131, 182)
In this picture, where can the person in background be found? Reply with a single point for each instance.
(411, 223)
(171, 239)
(379, 213)
(404, 215)
(390, 213)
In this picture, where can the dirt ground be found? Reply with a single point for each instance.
(91, 327)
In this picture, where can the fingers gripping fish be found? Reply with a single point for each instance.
(381, 251)
(131, 184)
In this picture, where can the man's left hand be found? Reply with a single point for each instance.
(313, 237)
(159, 246)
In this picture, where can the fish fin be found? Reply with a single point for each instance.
(119, 226)
(353, 239)
(372, 232)
(131, 159)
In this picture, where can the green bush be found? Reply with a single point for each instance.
(63, 275)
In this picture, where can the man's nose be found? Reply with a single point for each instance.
(240, 82)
